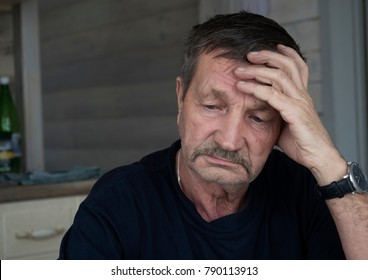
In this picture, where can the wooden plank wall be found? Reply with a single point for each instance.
(109, 71)
(6, 42)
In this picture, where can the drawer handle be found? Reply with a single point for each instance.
(40, 233)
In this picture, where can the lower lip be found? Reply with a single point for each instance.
(220, 161)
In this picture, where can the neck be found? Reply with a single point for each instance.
(211, 200)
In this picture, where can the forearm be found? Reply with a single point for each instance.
(350, 214)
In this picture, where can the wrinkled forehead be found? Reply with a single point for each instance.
(215, 78)
(214, 63)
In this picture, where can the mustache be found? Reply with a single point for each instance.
(216, 151)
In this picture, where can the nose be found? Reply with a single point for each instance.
(231, 133)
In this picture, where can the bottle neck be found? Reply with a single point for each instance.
(5, 90)
(5, 97)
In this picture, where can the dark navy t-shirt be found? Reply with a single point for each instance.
(139, 212)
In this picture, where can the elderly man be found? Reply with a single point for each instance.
(223, 191)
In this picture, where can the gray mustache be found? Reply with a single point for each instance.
(217, 151)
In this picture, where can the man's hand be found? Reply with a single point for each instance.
(281, 79)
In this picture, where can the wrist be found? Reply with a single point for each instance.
(333, 169)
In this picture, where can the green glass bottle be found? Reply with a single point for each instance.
(10, 151)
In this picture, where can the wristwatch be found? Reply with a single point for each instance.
(354, 182)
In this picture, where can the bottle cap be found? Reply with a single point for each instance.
(4, 80)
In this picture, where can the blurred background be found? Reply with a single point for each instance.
(107, 71)
(94, 84)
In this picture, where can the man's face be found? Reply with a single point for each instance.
(226, 135)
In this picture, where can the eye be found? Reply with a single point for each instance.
(257, 119)
(211, 107)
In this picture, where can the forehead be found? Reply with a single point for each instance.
(215, 78)
(215, 74)
(215, 71)
(213, 62)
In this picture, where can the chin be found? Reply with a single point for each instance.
(225, 178)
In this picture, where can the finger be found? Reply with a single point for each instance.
(265, 93)
(300, 63)
(286, 106)
(258, 73)
(280, 61)
(276, 78)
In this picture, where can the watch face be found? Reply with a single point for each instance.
(358, 178)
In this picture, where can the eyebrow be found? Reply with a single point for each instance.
(259, 105)
(214, 93)
(219, 94)
(263, 107)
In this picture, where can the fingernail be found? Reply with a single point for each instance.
(240, 69)
(253, 53)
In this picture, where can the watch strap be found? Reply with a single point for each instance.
(336, 189)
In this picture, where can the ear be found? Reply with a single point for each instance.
(180, 94)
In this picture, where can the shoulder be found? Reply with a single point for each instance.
(131, 179)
